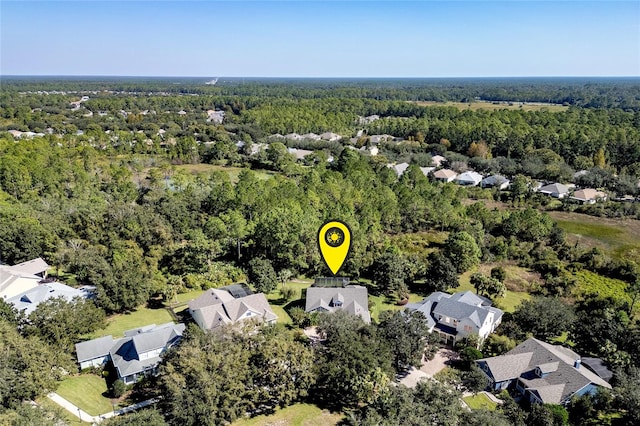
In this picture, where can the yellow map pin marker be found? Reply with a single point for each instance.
(334, 240)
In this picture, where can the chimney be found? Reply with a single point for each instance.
(576, 363)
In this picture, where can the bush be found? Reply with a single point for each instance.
(118, 388)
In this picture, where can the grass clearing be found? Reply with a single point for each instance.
(419, 243)
(233, 172)
(493, 106)
(118, 324)
(85, 391)
(518, 281)
(295, 415)
(480, 401)
(620, 238)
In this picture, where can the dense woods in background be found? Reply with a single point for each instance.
(99, 196)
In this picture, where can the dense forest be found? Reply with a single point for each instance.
(106, 189)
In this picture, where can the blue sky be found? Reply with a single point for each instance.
(320, 39)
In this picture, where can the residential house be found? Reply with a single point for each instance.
(134, 356)
(29, 300)
(556, 190)
(541, 372)
(445, 175)
(299, 153)
(437, 160)
(588, 196)
(371, 150)
(17, 279)
(215, 117)
(399, 168)
(311, 136)
(470, 178)
(426, 170)
(495, 181)
(330, 136)
(221, 306)
(353, 299)
(376, 139)
(457, 316)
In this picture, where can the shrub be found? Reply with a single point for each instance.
(118, 388)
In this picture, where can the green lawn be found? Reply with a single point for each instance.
(278, 304)
(383, 303)
(295, 415)
(85, 391)
(507, 303)
(118, 324)
(480, 401)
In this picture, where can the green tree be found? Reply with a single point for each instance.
(389, 272)
(462, 250)
(441, 274)
(146, 417)
(262, 275)
(407, 334)
(62, 323)
(544, 317)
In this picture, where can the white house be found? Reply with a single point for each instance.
(457, 316)
(399, 168)
(437, 160)
(469, 178)
(556, 190)
(350, 298)
(17, 279)
(29, 300)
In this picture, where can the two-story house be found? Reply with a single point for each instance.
(457, 316)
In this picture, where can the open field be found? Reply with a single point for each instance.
(85, 391)
(480, 401)
(517, 281)
(233, 172)
(295, 415)
(491, 106)
(118, 324)
(620, 238)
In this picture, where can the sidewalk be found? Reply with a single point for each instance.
(86, 417)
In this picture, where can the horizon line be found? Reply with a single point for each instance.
(313, 77)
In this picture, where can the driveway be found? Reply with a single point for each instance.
(429, 368)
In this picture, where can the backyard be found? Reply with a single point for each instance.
(480, 401)
(86, 391)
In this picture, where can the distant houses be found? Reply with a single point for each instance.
(470, 178)
(588, 196)
(29, 300)
(556, 190)
(495, 181)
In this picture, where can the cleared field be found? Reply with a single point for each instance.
(620, 238)
(233, 172)
(518, 281)
(295, 415)
(493, 106)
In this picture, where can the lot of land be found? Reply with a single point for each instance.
(233, 172)
(620, 238)
(492, 106)
(295, 415)
(518, 281)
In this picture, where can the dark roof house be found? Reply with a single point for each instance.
(543, 373)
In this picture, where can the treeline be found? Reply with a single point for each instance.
(583, 92)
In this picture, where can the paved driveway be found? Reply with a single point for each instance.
(429, 368)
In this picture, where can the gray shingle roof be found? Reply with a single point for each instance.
(29, 300)
(354, 300)
(96, 348)
(560, 379)
(211, 296)
(33, 266)
(231, 311)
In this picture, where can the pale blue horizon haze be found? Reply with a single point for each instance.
(320, 39)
